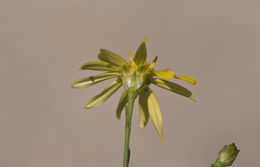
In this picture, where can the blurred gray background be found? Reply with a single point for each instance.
(43, 122)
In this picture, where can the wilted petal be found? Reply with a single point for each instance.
(89, 81)
(176, 88)
(121, 104)
(141, 54)
(143, 109)
(99, 66)
(187, 78)
(103, 96)
(112, 58)
(166, 74)
(155, 113)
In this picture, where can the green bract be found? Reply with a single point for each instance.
(136, 75)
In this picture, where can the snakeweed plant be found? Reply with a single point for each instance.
(135, 77)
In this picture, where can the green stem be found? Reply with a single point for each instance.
(128, 119)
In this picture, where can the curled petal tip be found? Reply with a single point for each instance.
(71, 85)
(194, 81)
(187, 78)
(193, 97)
(87, 107)
(74, 85)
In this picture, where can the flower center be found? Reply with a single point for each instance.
(133, 79)
(134, 76)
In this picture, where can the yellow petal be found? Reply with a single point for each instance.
(187, 78)
(103, 96)
(89, 81)
(176, 88)
(121, 104)
(112, 58)
(99, 66)
(141, 54)
(143, 109)
(155, 113)
(166, 74)
(132, 63)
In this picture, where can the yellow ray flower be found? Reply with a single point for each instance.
(143, 109)
(136, 75)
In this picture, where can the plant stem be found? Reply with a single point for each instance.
(128, 120)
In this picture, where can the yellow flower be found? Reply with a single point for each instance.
(137, 75)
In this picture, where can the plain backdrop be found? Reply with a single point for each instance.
(43, 43)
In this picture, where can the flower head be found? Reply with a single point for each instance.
(226, 156)
(137, 75)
